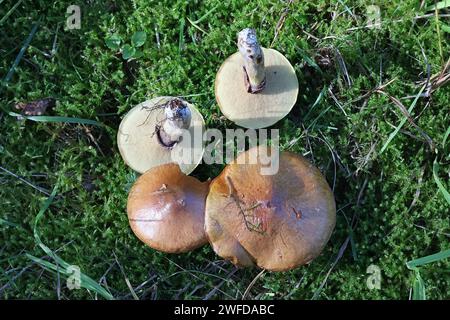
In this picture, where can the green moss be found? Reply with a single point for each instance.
(86, 224)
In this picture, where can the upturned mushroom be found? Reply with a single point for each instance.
(255, 87)
(166, 209)
(276, 222)
(162, 130)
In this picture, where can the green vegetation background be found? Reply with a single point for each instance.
(390, 209)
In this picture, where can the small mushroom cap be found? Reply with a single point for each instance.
(277, 222)
(166, 209)
(139, 146)
(262, 109)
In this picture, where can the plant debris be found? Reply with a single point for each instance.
(35, 108)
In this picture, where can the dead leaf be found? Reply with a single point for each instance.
(35, 108)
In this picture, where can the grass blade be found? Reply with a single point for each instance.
(86, 282)
(419, 288)
(309, 61)
(181, 36)
(20, 55)
(438, 32)
(428, 259)
(447, 133)
(418, 284)
(439, 182)
(319, 98)
(440, 5)
(206, 14)
(347, 8)
(353, 245)
(196, 22)
(445, 27)
(10, 11)
(62, 266)
(58, 119)
(402, 122)
(195, 25)
(8, 223)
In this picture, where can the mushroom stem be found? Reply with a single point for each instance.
(254, 70)
(177, 119)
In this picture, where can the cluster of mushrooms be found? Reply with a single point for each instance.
(276, 222)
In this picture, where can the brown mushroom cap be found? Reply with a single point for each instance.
(264, 108)
(166, 209)
(277, 222)
(139, 146)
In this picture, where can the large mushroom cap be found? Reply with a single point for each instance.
(166, 209)
(138, 142)
(277, 222)
(264, 108)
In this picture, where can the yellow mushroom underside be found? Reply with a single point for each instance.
(139, 146)
(264, 108)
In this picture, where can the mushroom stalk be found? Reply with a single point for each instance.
(177, 119)
(254, 70)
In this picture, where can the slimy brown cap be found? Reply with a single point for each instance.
(166, 209)
(277, 222)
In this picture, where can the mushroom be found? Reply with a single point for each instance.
(255, 87)
(159, 131)
(277, 222)
(166, 209)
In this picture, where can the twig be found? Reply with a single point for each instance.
(216, 288)
(297, 285)
(91, 137)
(332, 155)
(361, 162)
(25, 181)
(127, 281)
(157, 37)
(103, 277)
(410, 120)
(338, 257)
(343, 67)
(337, 101)
(198, 278)
(233, 195)
(250, 286)
(417, 194)
(344, 245)
(280, 22)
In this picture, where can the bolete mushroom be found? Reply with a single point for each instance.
(166, 209)
(277, 222)
(255, 87)
(162, 130)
